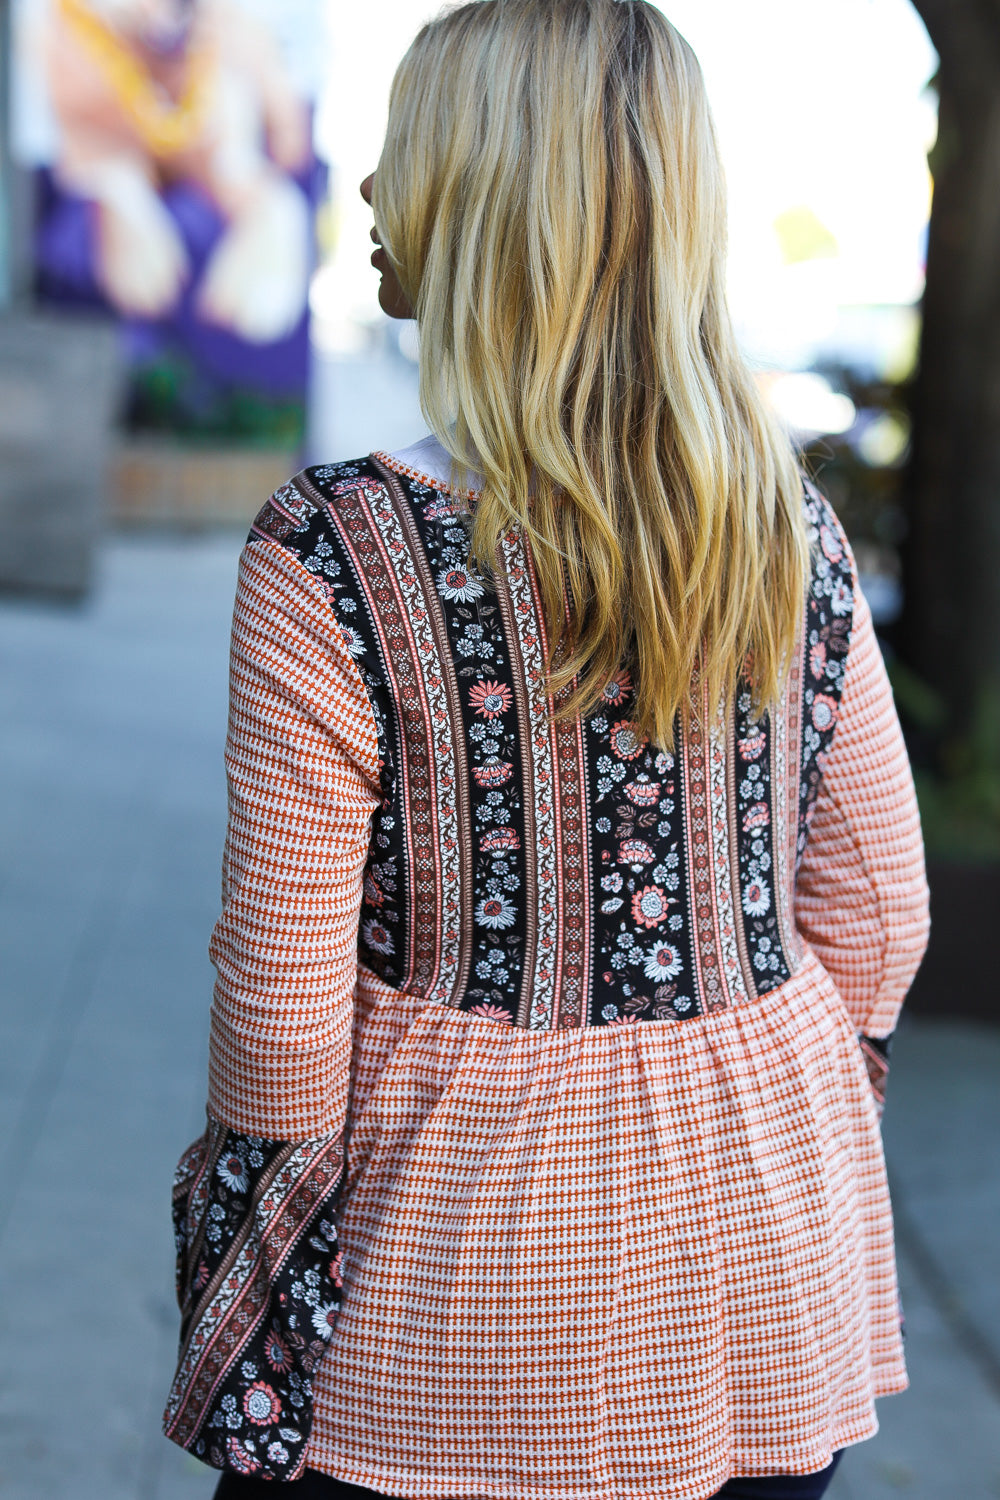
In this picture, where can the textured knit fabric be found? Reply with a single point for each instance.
(543, 1155)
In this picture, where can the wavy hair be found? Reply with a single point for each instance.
(551, 198)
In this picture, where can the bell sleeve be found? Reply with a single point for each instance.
(255, 1197)
(861, 899)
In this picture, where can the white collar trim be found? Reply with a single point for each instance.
(428, 462)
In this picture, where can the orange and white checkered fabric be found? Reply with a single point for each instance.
(302, 765)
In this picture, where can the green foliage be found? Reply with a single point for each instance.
(959, 788)
(170, 396)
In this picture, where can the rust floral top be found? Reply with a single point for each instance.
(543, 1156)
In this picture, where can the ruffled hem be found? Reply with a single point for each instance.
(408, 1484)
(598, 1261)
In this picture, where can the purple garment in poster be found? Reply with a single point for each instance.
(66, 259)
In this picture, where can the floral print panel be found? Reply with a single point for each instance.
(543, 876)
(258, 1283)
(298, 522)
(829, 616)
(484, 693)
(643, 963)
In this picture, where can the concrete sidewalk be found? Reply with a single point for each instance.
(111, 824)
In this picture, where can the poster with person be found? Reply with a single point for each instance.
(177, 184)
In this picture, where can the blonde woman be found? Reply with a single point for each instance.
(574, 877)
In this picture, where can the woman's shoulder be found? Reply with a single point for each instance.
(313, 500)
(327, 518)
(301, 513)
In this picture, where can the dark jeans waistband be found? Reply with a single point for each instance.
(316, 1486)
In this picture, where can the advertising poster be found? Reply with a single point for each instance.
(176, 185)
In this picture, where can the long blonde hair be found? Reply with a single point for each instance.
(551, 198)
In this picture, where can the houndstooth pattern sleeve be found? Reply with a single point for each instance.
(258, 1278)
(861, 897)
(303, 776)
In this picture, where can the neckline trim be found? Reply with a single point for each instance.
(427, 473)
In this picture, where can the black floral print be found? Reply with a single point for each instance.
(642, 961)
(829, 615)
(258, 1284)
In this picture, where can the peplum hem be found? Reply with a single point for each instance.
(624, 1262)
(407, 1484)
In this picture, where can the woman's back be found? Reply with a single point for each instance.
(614, 1218)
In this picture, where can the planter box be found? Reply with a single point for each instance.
(155, 481)
(958, 976)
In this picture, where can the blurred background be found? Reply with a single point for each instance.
(187, 315)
